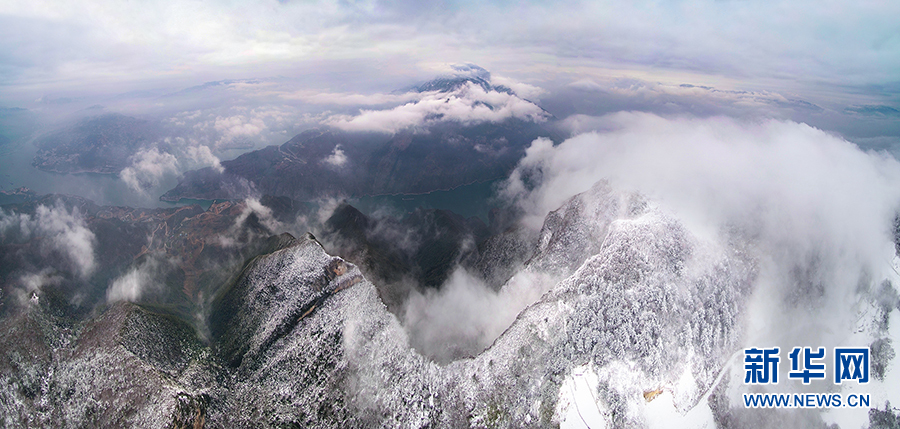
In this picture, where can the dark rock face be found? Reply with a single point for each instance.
(576, 230)
(101, 144)
(301, 338)
(500, 256)
(379, 254)
(445, 156)
(418, 251)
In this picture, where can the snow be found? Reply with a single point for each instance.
(649, 306)
(661, 413)
(577, 406)
(642, 304)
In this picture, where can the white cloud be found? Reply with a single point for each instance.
(59, 230)
(147, 168)
(246, 124)
(135, 283)
(150, 166)
(70, 235)
(239, 126)
(348, 99)
(337, 157)
(32, 283)
(524, 90)
(202, 156)
(814, 210)
(465, 316)
(263, 213)
(252, 206)
(469, 104)
(689, 160)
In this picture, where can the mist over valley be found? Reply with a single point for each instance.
(293, 214)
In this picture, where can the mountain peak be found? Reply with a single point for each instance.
(461, 75)
(471, 70)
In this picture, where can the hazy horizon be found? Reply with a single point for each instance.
(626, 194)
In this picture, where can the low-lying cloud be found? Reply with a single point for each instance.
(239, 235)
(256, 119)
(147, 168)
(814, 209)
(470, 104)
(348, 99)
(465, 315)
(135, 283)
(337, 157)
(585, 103)
(60, 230)
(150, 166)
(32, 283)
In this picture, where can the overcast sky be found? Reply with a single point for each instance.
(847, 51)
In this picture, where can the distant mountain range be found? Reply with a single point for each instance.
(101, 144)
(410, 162)
(329, 161)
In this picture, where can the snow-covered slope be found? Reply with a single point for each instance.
(650, 308)
(633, 322)
(130, 367)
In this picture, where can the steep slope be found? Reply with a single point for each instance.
(130, 367)
(652, 301)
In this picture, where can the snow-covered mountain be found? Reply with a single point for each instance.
(651, 307)
(627, 318)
